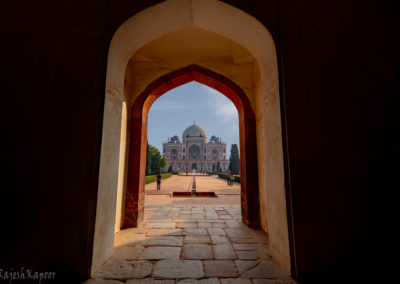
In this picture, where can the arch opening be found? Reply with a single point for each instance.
(194, 152)
(174, 154)
(239, 60)
(248, 143)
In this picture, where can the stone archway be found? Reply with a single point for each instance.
(194, 166)
(174, 154)
(238, 48)
(247, 130)
(194, 152)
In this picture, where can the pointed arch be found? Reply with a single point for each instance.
(223, 21)
(248, 141)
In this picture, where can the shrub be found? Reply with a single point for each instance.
(223, 175)
(153, 178)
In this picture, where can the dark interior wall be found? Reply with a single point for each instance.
(53, 57)
(340, 63)
(338, 68)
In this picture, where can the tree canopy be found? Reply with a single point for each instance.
(155, 162)
(234, 160)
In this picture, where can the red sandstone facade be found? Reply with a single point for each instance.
(195, 153)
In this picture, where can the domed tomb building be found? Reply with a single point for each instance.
(194, 152)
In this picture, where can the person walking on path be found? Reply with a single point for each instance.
(159, 181)
(232, 178)
(228, 178)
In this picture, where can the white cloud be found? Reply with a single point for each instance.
(168, 105)
(222, 106)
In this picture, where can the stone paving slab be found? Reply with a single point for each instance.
(216, 232)
(127, 252)
(204, 225)
(188, 281)
(265, 269)
(156, 253)
(163, 241)
(104, 281)
(185, 220)
(176, 269)
(220, 268)
(197, 240)
(219, 240)
(224, 251)
(197, 251)
(158, 225)
(274, 281)
(237, 233)
(186, 225)
(125, 270)
(163, 232)
(128, 238)
(149, 281)
(211, 221)
(202, 281)
(258, 247)
(218, 225)
(235, 281)
(225, 217)
(196, 232)
(249, 240)
(244, 265)
(185, 216)
(232, 223)
(248, 254)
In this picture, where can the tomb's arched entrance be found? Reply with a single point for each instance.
(238, 58)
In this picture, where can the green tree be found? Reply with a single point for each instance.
(234, 160)
(148, 159)
(170, 169)
(154, 161)
(163, 163)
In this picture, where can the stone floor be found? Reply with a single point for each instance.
(191, 244)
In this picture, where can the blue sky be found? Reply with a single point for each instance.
(174, 111)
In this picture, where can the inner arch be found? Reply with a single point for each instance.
(247, 130)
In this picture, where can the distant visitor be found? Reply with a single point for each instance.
(158, 181)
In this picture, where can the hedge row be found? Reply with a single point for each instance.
(153, 178)
(211, 173)
(225, 175)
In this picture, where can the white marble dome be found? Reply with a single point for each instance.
(194, 131)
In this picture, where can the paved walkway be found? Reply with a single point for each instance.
(226, 195)
(183, 183)
(191, 243)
